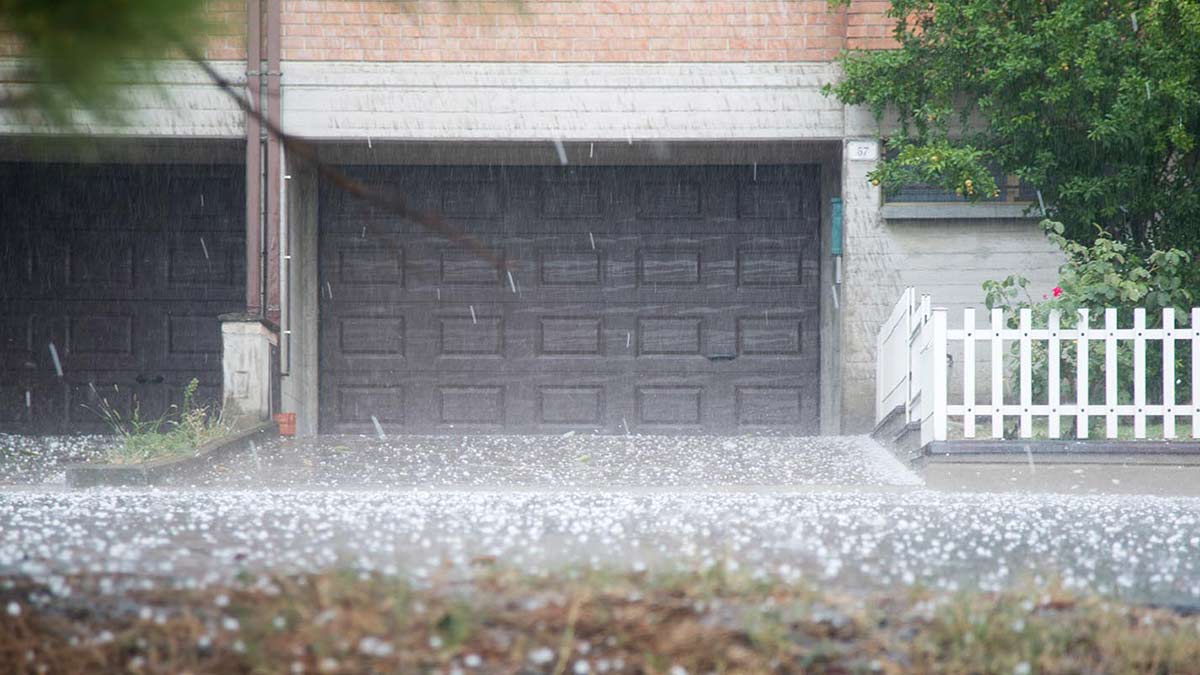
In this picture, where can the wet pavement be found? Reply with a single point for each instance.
(839, 511)
(561, 462)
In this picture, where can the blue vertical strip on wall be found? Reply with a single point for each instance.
(835, 213)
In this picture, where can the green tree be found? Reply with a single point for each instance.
(1096, 103)
(77, 49)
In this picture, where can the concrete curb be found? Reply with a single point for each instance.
(1098, 451)
(157, 471)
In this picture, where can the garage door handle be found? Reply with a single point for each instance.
(142, 379)
(722, 357)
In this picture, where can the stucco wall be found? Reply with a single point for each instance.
(178, 100)
(871, 283)
(513, 101)
(948, 259)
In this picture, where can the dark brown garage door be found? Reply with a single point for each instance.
(123, 270)
(648, 299)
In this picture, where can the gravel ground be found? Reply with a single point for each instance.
(839, 511)
(567, 461)
(1139, 549)
(41, 459)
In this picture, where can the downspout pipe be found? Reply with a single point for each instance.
(253, 159)
(274, 156)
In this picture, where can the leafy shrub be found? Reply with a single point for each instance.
(1107, 273)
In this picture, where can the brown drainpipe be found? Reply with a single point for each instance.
(253, 159)
(274, 47)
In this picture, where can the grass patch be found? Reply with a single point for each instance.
(178, 432)
(504, 621)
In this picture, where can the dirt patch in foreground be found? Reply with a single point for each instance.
(502, 622)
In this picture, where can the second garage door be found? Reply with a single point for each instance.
(676, 300)
(111, 281)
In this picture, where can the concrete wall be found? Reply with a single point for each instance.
(950, 259)
(948, 255)
(594, 102)
(175, 100)
(871, 284)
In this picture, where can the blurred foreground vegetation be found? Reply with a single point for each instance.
(503, 621)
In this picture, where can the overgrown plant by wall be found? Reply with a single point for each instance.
(1095, 103)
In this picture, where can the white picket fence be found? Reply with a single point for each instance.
(913, 370)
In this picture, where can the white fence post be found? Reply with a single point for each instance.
(1110, 371)
(1082, 383)
(1139, 372)
(1053, 362)
(892, 362)
(1026, 374)
(1168, 372)
(1196, 372)
(968, 368)
(997, 374)
(881, 358)
(940, 374)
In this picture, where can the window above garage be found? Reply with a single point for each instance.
(919, 201)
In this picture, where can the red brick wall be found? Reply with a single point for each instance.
(868, 26)
(555, 30)
(579, 30)
(227, 38)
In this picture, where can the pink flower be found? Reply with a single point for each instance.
(1057, 291)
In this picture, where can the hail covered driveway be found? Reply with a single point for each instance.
(876, 530)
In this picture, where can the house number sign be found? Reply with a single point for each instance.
(863, 151)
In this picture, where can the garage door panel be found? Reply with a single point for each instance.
(28, 398)
(187, 340)
(777, 335)
(574, 335)
(664, 299)
(112, 270)
(771, 402)
(19, 250)
(14, 409)
(205, 262)
(359, 263)
(466, 192)
(87, 399)
(114, 335)
(18, 328)
(359, 336)
(358, 403)
(478, 335)
(476, 402)
(441, 402)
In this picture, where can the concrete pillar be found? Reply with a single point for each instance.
(871, 282)
(830, 158)
(299, 376)
(246, 368)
